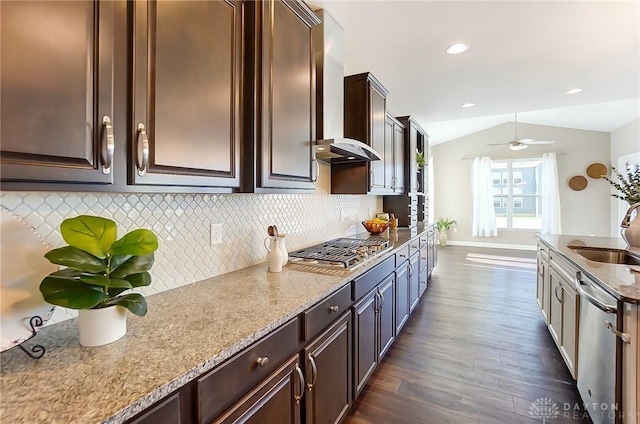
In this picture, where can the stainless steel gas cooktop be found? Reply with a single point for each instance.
(344, 253)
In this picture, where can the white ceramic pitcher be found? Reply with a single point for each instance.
(274, 253)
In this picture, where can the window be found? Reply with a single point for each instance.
(516, 193)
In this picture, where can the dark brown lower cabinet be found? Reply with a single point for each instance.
(276, 399)
(402, 296)
(365, 314)
(425, 257)
(414, 281)
(374, 330)
(386, 316)
(328, 374)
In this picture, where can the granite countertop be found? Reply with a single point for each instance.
(622, 281)
(187, 331)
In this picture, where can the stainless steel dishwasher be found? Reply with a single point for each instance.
(599, 352)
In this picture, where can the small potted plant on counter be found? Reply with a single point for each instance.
(99, 268)
(443, 225)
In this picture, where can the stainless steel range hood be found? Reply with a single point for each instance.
(342, 150)
(332, 146)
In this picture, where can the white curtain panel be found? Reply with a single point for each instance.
(484, 215)
(550, 195)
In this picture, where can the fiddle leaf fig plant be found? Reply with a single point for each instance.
(99, 267)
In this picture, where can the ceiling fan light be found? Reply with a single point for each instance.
(517, 145)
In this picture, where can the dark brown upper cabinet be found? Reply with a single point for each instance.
(280, 97)
(394, 155)
(364, 120)
(411, 205)
(187, 76)
(56, 91)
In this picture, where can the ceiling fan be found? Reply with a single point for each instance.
(521, 143)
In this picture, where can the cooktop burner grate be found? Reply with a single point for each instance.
(343, 252)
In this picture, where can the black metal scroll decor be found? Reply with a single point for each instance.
(37, 351)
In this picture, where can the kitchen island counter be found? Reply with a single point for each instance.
(187, 331)
(621, 281)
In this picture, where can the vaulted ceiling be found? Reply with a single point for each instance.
(523, 57)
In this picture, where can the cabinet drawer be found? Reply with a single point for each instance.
(543, 250)
(402, 255)
(324, 313)
(414, 246)
(424, 240)
(220, 388)
(167, 412)
(366, 282)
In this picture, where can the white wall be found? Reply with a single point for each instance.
(625, 141)
(583, 213)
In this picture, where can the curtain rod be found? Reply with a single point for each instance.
(515, 157)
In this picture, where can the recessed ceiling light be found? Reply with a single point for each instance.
(468, 105)
(574, 91)
(457, 48)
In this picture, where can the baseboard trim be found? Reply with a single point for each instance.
(491, 245)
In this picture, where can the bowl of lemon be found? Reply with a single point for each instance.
(375, 225)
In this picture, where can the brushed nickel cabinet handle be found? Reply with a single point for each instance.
(263, 361)
(381, 300)
(555, 290)
(108, 145)
(373, 177)
(297, 397)
(410, 270)
(334, 308)
(314, 373)
(317, 173)
(143, 150)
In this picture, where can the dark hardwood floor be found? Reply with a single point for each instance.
(476, 350)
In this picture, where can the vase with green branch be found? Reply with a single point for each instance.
(443, 224)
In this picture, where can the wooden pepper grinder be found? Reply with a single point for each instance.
(393, 222)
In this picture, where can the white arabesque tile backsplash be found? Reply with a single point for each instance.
(182, 224)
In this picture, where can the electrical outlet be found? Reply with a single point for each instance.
(370, 213)
(455, 230)
(216, 234)
(343, 215)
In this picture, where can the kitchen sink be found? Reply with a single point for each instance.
(606, 255)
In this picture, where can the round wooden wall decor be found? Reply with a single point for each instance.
(596, 170)
(578, 183)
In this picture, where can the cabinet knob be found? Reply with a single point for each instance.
(108, 145)
(263, 361)
(334, 308)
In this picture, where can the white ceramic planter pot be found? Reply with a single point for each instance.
(102, 326)
(442, 236)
